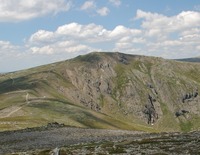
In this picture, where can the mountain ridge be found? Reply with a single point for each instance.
(194, 59)
(104, 90)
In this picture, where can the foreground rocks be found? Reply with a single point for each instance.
(68, 140)
(52, 137)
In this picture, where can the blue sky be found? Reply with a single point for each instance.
(37, 32)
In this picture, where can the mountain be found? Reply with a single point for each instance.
(195, 59)
(104, 90)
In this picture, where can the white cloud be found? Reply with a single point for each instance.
(88, 5)
(159, 22)
(120, 31)
(69, 38)
(190, 31)
(19, 10)
(42, 36)
(77, 38)
(119, 46)
(10, 56)
(91, 7)
(4, 45)
(42, 50)
(78, 31)
(170, 37)
(90, 33)
(61, 47)
(103, 11)
(115, 2)
(7, 49)
(69, 29)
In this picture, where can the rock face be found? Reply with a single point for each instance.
(150, 110)
(138, 89)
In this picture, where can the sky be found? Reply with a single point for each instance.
(37, 32)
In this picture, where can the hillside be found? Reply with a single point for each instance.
(104, 90)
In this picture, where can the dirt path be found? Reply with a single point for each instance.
(13, 111)
(7, 112)
(15, 92)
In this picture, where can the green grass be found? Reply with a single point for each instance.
(91, 58)
(193, 74)
(186, 126)
(40, 113)
(120, 81)
(101, 100)
(168, 121)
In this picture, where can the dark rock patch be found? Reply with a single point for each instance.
(190, 96)
(150, 111)
(181, 113)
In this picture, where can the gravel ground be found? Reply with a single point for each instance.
(25, 140)
(75, 141)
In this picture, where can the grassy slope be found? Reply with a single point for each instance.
(45, 104)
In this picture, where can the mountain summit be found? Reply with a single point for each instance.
(104, 90)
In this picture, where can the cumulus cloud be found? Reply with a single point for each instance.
(42, 36)
(12, 10)
(154, 21)
(8, 48)
(103, 11)
(156, 37)
(10, 56)
(88, 5)
(42, 50)
(170, 36)
(62, 47)
(115, 2)
(90, 33)
(5, 45)
(121, 31)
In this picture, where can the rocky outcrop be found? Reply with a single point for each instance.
(122, 58)
(190, 96)
(181, 113)
(118, 83)
(150, 111)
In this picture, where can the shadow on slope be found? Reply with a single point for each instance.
(20, 83)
